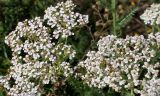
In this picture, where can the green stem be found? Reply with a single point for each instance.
(132, 93)
(66, 38)
(5, 53)
(158, 28)
(114, 16)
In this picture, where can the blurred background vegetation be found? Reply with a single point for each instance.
(13, 11)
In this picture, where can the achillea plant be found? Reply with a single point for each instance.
(38, 58)
(124, 64)
(42, 56)
(151, 15)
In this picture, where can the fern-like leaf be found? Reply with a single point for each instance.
(122, 22)
(103, 3)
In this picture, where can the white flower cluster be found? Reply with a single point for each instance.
(35, 57)
(62, 19)
(122, 63)
(38, 60)
(152, 15)
(151, 88)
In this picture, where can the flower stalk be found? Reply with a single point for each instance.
(113, 6)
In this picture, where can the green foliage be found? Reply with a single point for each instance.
(122, 22)
(104, 3)
(2, 93)
(77, 88)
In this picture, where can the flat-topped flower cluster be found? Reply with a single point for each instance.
(62, 19)
(151, 15)
(124, 64)
(38, 56)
